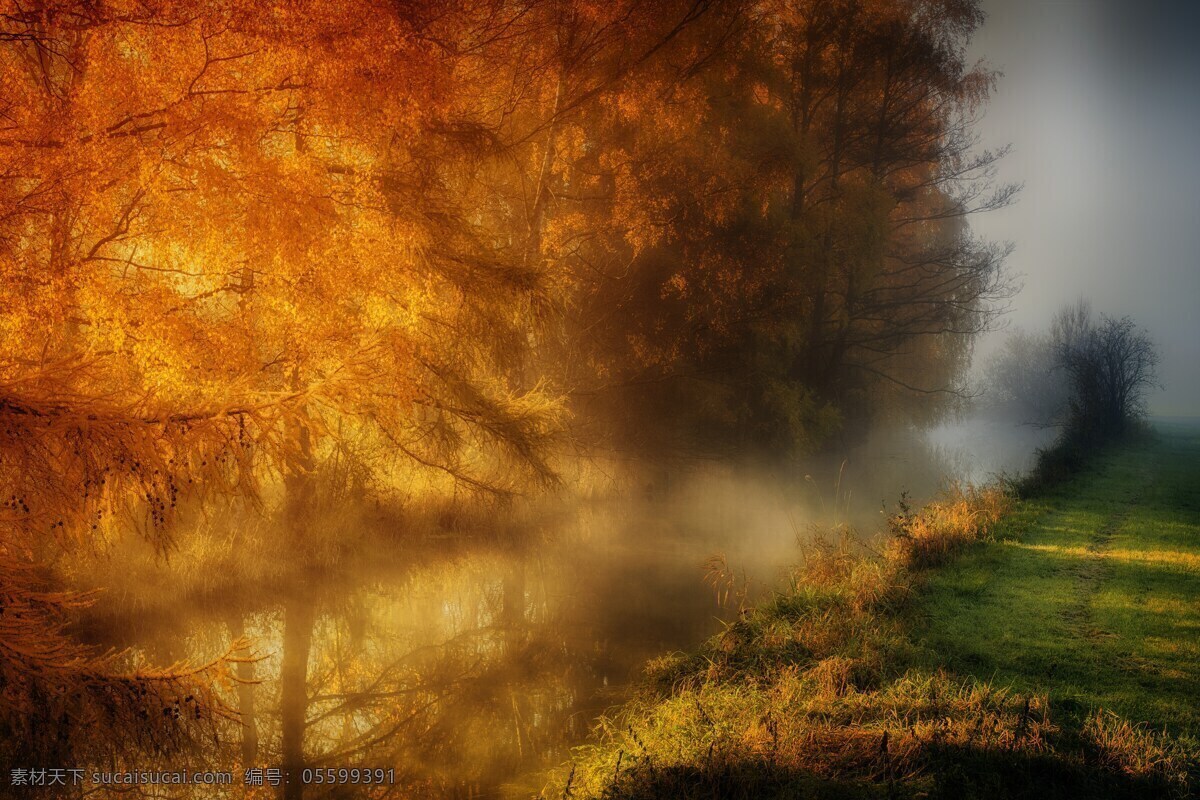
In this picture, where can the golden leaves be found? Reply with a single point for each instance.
(241, 205)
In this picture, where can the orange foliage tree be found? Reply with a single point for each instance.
(227, 235)
(236, 237)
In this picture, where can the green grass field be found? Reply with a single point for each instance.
(994, 648)
(1092, 594)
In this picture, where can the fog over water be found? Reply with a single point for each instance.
(475, 651)
(1101, 103)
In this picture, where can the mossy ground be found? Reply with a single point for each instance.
(1043, 648)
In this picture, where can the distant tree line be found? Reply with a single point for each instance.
(1089, 375)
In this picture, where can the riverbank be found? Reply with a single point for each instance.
(995, 648)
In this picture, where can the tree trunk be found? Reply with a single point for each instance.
(245, 692)
(299, 611)
(293, 696)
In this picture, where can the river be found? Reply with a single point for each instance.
(467, 653)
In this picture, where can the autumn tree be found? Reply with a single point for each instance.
(230, 236)
(243, 246)
(793, 245)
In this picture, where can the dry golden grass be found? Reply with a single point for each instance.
(945, 526)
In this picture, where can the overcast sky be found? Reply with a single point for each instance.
(1100, 100)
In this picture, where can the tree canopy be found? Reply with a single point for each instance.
(240, 239)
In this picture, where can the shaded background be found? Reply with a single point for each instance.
(1101, 102)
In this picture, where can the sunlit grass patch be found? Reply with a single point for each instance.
(1165, 558)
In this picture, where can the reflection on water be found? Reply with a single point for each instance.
(467, 656)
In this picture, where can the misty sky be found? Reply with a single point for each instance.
(1101, 102)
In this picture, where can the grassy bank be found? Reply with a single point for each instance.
(994, 648)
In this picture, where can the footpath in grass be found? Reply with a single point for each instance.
(993, 649)
(1093, 596)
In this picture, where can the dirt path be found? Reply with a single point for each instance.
(1090, 575)
(1093, 570)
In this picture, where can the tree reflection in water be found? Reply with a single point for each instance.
(463, 651)
(462, 660)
